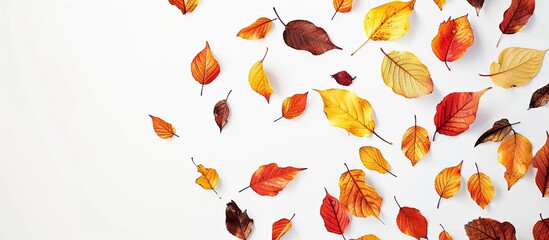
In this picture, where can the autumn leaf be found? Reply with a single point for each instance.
(481, 188)
(487, 228)
(162, 128)
(516, 16)
(269, 180)
(456, 112)
(293, 106)
(304, 35)
(257, 30)
(541, 162)
(368, 237)
(281, 227)
(346, 110)
(237, 222)
(453, 38)
(221, 112)
(440, 3)
(448, 182)
(515, 66)
(335, 215)
(360, 199)
(387, 22)
(342, 6)
(477, 4)
(411, 222)
(204, 67)
(497, 133)
(208, 177)
(541, 229)
(404, 73)
(372, 159)
(444, 235)
(186, 6)
(515, 154)
(540, 97)
(415, 143)
(343, 78)
(258, 79)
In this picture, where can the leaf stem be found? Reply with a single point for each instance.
(280, 19)
(193, 162)
(278, 118)
(266, 51)
(292, 217)
(382, 139)
(397, 202)
(352, 54)
(434, 136)
(244, 189)
(391, 173)
(228, 94)
(213, 189)
(343, 237)
(443, 229)
(439, 199)
(201, 89)
(446, 63)
(499, 40)
(337, 10)
(478, 172)
(175, 135)
(415, 120)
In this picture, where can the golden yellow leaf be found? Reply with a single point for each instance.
(208, 177)
(387, 22)
(440, 3)
(448, 182)
(258, 79)
(368, 237)
(346, 110)
(415, 143)
(481, 188)
(257, 30)
(515, 66)
(372, 159)
(515, 154)
(405, 74)
(361, 199)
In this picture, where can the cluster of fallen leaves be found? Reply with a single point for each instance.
(407, 76)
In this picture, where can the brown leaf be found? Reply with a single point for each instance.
(237, 222)
(343, 78)
(304, 35)
(541, 229)
(540, 97)
(516, 16)
(477, 4)
(497, 133)
(221, 112)
(486, 228)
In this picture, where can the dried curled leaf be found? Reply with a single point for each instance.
(540, 97)
(541, 229)
(162, 128)
(208, 177)
(368, 237)
(221, 112)
(404, 73)
(453, 38)
(257, 30)
(372, 159)
(456, 112)
(342, 6)
(237, 222)
(305, 35)
(541, 162)
(346, 110)
(481, 188)
(335, 215)
(415, 143)
(444, 235)
(515, 154)
(205, 67)
(448, 182)
(270, 179)
(440, 3)
(258, 79)
(294, 106)
(515, 66)
(411, 222)
(516, 16)
(487, 228)
(186, 6)
(360, 199)
(281, 227)
(477, 4)
(497, 133)
(343, 78)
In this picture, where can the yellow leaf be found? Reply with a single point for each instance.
(368, 237)
(515, 66)
(515, 154)
(258, 79)
(257, 30)
(372, 159)
(361, 199)
(415, 143)
(208, 177)
(346, 110)
(387, 22)
(481, 188)
(405, 74)
(440, 3)
(448, 182)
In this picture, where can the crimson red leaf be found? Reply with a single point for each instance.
(343, 78)
(335, 215)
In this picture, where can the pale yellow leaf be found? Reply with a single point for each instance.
(405, 74)
(516, 66)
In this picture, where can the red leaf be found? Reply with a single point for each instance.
(411, 222)
(269, 180)
(541, 162)
(343, 78)
(541, 229)
(516, 16)
(335, 215)
(281, 227)
(486, 228)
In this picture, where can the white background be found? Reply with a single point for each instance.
(79, 158)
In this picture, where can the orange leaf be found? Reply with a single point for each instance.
(486, 228)
(204, 67)
(335, 215)
(368, 237)
(456, 112)
(440, 3)
(360, 199)
(281, 227)
(415, 143)
(453, 38)
(186, 6)
(541, 229)
(342, 6)
(162, 128)
(269, 180)
(411, 222)
(237, 222)
(516, 16)
(372, 159)
(294, 106)
(444, 235)
(541, 162)
(448, 182)
(208, 177)
(257, 30)
(481, 188)
(258, 79)
(515, 154)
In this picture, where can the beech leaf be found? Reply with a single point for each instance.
(372, 159)
(415, 143)
(205, 67)
(448, 182)
(360, 199)
(541, 162)
(343, 78)
(258, 79)
(162, 128)
(404, 73)
(270, 179)
(487, 228)
(540, 97)
(515, 66)
(186, 6)
(208, 177)
(477, 4)
(515, 154)
(516, 16)
(294, 106)
(411, 222)
(281, 227)
(257, 30)
(497, 133)
(342, 6)
(541, 229)
(237, 222)
(444, 235)
(480, 188)
(454, 37)
(221, 112)
(334, 214)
